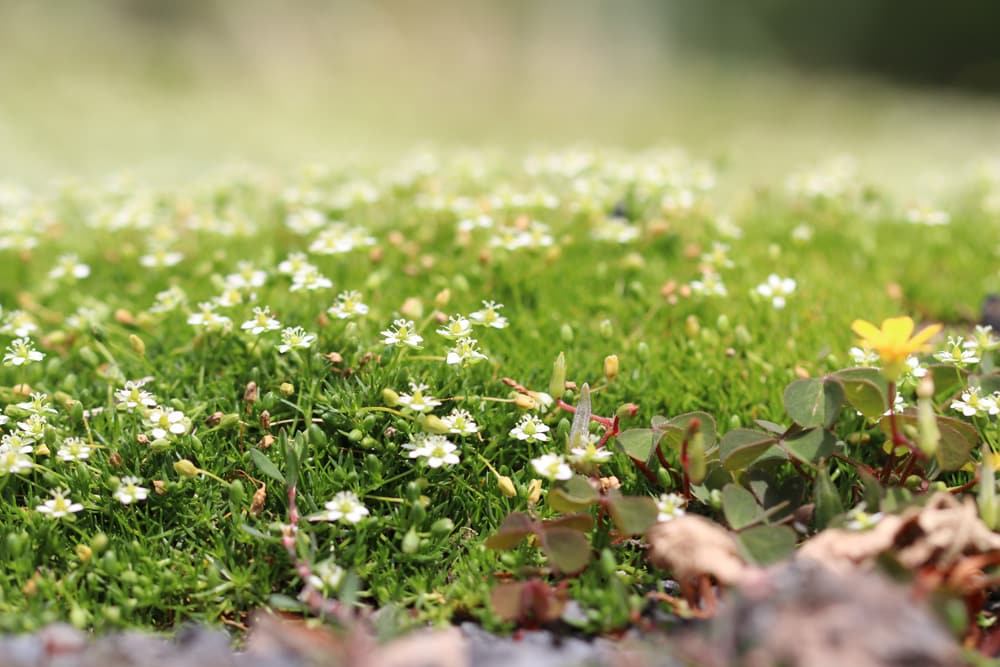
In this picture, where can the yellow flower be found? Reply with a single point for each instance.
(893, 342)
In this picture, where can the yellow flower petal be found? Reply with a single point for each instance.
(866, 330)
(897, 329)
(925, 334)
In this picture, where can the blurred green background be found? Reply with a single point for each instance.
(168, 89)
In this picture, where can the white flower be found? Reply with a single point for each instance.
(340, 238)
(326, 576)
(165, 422)
(345, 506)
(416, 400)
(60, 505)
(69, 266)
(710, 285)
(531, 429)
(74, 449)
(488, 315)
(129, 491)
(590, 455)
(437, 449)
(457, 327)
(982, 339)
(14, 460)
(718, 257)
(466, 352)
(460, 422)
(776, 289)
(160, 258)
(670, 506)
(19, 323)
(295, 338)
(859, 519)
(39, 405)
(348, 305)
(310, 279)
(295, 263)
(134, 396)
(33, 428)
(207, 318)
(923, 214)
(21, 351)
(552, 466)
(246, 277)
(168, 300)
(863, 356)
(261, 321)
(957, 353)
(402, 333)
(972, 404)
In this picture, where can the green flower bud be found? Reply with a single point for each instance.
(557, 383)
(390, 397)
(606, 329)
(137, 345)
(185, 468)
(411, 541)
(433, 424)
(642, 351)
(986, 499)
(442, 527)
(566, 333)
(286, 389)
(697, 466)
(506, 485)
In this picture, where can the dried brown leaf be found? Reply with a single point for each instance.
(937, 534)
(690, 546)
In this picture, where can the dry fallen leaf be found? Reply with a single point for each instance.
(939, 533)
(691, 546)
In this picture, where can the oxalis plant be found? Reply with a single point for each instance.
(850, 450)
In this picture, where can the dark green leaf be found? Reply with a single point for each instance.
(637, 443)
(811, 446)
(266, 465)
(578, 522)
(765, 545)
(989, 383)
(568, 550)
(741, 447)
(865, 389)
(515, 527)
(947, 377)
(827, 499)
(814, 401)
(632, 515)
(675, 429)
(573, 496)
(740, 507)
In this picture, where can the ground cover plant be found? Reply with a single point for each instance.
(488, 387)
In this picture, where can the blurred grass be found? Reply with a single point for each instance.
(171, 89)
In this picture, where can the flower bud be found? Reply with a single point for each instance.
(433, 424)
(611, 367)
(525, 402)
(250, 393)
(390, 397)
(84, 552)
(696, 465)
(627, 410)
(742, 335)
(566, 333)
(137, 345)
(442, 298)
(606, 329)
(42, 450)
(928, 433)
(986, 499)
(185, 468)
(265, 420)
(213, 419)
(534, 491)
(557, 383)
(692, 327)
(506, 485)
(642, 351)
(286, 389)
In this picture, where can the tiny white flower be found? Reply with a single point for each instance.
(129, 491)
(33, 428)
(345, 506)
(261, 321)
(710, 285)
(297, 262)
(417, 400)
(207, 318)
(168, 300)
(859, 519)
(718, 256)
(60, 505)
(165, 422)
(488, 315)
(133, 396)
(590, 455)
(552, 466)
(73, 449)
(864, 356)
(956, 353)
(15, 460)
(460, 422)
(310, 279)
(971, 404)
(39, 404)
(402, 333)
(466, 352)
(19, 323)
(531, 429)
(326, 577)
(347, 305)
(776, 289)
(670, 506)
(295, 338)
(436, 449)
(21, 351)
(458, 327)
(69, 266)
